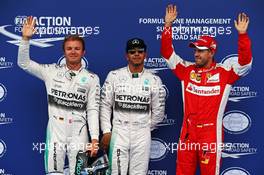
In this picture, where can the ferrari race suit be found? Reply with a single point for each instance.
(205, 94)
(73, 100)
(138, 104)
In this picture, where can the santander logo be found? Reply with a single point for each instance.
(203, 90)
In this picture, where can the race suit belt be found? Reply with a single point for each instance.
(134, 123)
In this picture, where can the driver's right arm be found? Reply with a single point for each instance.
(23, 60)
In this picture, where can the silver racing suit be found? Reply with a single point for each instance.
(73, 100)
(138, 104)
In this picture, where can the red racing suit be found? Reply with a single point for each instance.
(205, 94)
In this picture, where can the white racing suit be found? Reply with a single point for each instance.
(138, 104)
(73, 100)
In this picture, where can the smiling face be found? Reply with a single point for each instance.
(73, 51)
(203, 58)
(135, 57)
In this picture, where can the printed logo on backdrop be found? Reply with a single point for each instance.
(157, 172)
(238, 93)
(231, 60)
(62, 61)
(166, 122)
(237, 150)
(235, 171)
(158, 149)
(236, 122)
(3, 172)
(48, 29)
(3, 92)
(167, 91)
(4, 119)
(191, 28)
(155, 64)
(4, 63)
(3, 148)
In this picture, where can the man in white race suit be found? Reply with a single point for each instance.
(136, 97)
(73, 100)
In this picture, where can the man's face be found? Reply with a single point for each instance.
(203, 57)
(73, 51)
(136, 56)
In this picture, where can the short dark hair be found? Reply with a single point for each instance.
(73, 38)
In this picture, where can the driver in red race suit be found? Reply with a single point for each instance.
(205, 87)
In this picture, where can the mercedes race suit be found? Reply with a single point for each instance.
(73, 100)
(205, 95)
(137, 101)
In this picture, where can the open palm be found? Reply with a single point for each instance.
(171, 14)
(28, 28)
(241, 23)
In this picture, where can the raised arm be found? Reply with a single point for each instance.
(23, 59)
(23, 52)
(244, 43)
(166, 40)
(174, 61)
